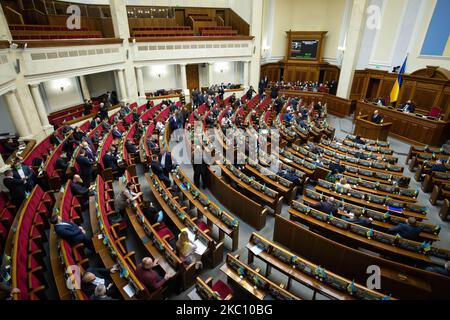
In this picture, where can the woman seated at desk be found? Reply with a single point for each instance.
(186, 250)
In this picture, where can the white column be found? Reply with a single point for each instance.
(353, 45)
(140, 82)
(123, 91)
(117, 85)
(16, 114)
(210, 73)
(184, 84)
(85, 88)
(256, 32)
(246, 73)
(40, 107)
(183, 77)
(119, 18)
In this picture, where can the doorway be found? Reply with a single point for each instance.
(192, 76)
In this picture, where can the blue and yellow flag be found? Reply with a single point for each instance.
(398, 84)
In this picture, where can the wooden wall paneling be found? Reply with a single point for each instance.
(408, 127)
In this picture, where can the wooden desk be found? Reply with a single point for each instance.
(23, 153)
(369, 130)
(409, 127)
(259, 294)
(248, 210)
(352, 263)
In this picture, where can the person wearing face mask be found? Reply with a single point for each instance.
(22, 171)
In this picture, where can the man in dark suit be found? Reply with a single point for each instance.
(274, 92)
(87, 107)
(221, 91)
(200, 168)
(152, 145)
(336, 167)
(279, 103)
(72, 233)
(408, 107)
(195, 99)
(376, 117)
(232, 99)
(87, 149)
(116, 133)
(103, 111)
(16, 187)
(78, 189)
(159, 172)
(318, 107)
(329, 206)
(249, 93)
(174, 122)
(131, 147)
(110, 161)
(95, 276)
(359, 220)
(62, 164)
(408, 230)
(22, 171)
(165, 159)
(95, 122)
(54, 139)
(438, 167)
(85, 167)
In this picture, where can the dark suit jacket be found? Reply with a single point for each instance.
(109, 161)
(70, 232)
(89, 288)
(79, 190)
(406, 231)
(168, 162)
(438, 167)
(336, 167)
(376, 119)
(89, 153)
(16, 189)
(116, 134)
(361, 221)
(61, 164)
(26, 170)
(326, 207)
(54, 140)
(85, 165)
(131, 148)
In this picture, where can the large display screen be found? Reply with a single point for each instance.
(304, 49)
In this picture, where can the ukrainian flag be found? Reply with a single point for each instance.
(397, 85)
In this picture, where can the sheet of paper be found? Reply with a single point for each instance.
(201, 248)
(256, 250)
(193, 295)
(130, 291)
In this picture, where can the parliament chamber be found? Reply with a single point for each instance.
(207, 151)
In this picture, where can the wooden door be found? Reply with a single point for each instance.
(179, 17)
(192, 76)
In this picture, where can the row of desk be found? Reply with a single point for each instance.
(407, 126)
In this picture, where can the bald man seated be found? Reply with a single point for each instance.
(149, 277)
(94, 277)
